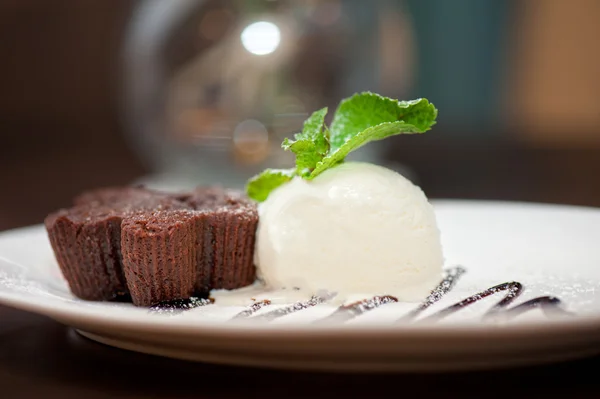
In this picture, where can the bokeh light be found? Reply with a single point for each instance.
(261, 38)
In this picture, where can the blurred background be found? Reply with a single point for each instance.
(184, 92)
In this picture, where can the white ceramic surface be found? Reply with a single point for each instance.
(551, 250)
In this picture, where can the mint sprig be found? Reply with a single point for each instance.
(360, 119)
(310, 146)
(261, 185)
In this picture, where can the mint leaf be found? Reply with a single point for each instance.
(374, 133)
(358, 120)
(311, 145)
(261, 185)
(367, 117)
(365, 110)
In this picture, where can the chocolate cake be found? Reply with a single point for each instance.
(154, 246)
(87, 246)
(159, 255)
(227, 222)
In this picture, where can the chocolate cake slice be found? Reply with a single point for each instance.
(159, 256)
(152, 245)
(226, 222)
(86, 239)
(87, 245)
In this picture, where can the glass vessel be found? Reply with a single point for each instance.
(211, 88)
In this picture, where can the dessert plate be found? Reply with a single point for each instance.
(542, 261)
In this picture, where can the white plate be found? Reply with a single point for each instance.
(551, 250)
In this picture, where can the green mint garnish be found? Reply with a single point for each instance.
(311, 145)
(260, 186)
(362, 118)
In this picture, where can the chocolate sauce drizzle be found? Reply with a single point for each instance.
(255, 307)
(513, 290)
(451, 277)
(549, 305)
(180, 305)
(301, 305)
(352, 310)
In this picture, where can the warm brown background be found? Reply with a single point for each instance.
(59, 127)
(555, 56)
(60, 130)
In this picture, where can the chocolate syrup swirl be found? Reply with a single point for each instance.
(180, 305)
(451, 277)
(348, 312)
(255, 307)
(549, 305)
(298, 306)
(352, 310)
(513, 290)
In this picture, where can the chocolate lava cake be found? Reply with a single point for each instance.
(153, 246)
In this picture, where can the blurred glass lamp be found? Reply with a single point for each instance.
(211, 88)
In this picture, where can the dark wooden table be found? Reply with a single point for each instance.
(40, 358)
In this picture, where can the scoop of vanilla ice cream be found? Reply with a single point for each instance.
(356, 229)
